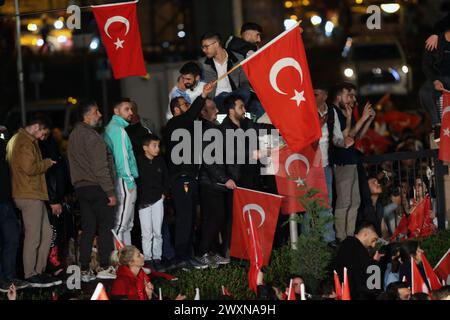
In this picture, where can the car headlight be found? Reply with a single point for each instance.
(405, 69)
(348, 72)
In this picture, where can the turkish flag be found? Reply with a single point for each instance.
(346, 287)
(280, 76)
(255, 216)
(401, 231)
(294, 172)
(399, 121)
(442, 268)
(100, 293)
(420, 223)
(119, 28)
(432, 278)
(444, 146)
(337, 286)
(417, 282)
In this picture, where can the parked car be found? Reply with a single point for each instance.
(376, 66)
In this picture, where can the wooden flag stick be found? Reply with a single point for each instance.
(226, 74)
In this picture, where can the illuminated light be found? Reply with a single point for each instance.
(58, 24)
(394, 74)
(359, 1)
(390, 7)
(329, 27)
(405, 69)
(94, 44)
(288, 4)
(348, 72)
(62, 39)
(34, 42)
(294, 17)
(40, 43)
(32, 27)
(306, 3)
(289, 23)
(316, 20)
(181, 34)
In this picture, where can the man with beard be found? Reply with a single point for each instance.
(92, 173)
(346, 160)
(189, 85)
(126, 168)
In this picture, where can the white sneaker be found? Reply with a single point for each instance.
(87, 276)
(109, 273)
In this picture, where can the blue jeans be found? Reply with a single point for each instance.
(328, 234)
(168, 252)
(9, 237)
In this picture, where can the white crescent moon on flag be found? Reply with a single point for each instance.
(280, 65)
(247, 208)
(116, 19)
(293, 157)
(447, 109)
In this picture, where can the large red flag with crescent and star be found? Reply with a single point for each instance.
(444, 146)
(119, 28)
(295, 173)
(260, 208)
(279, 74)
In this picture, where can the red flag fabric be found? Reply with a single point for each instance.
(373, 143)
(248, 239)
(226, 292)
(291, 292)
(294, 172)
(117, 243)
(279, 74)
(337, 286)
(100, 293)
(119, 28)
(401, 232)
(399, 121)
(444, 145)
(442, 268)
(432, 278)
(420, 221)
(346, 287)
(417, 282)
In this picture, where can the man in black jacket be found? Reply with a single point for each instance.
(436, 66)
(249, 41)
(57, 179)
(353, 254)
(183, 172)
(9, 228)
(213, 197)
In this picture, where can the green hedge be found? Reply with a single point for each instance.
(234, 276)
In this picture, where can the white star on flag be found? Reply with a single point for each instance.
(300, 182)
(299, 97)
(119, 43)
(447, 132)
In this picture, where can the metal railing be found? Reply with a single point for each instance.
(403, 169)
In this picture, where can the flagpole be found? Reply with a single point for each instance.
(259, 51)
(266, 193)
(20, 67)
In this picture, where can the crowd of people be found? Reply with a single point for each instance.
(184, 210)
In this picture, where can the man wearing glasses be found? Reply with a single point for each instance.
(217, 62)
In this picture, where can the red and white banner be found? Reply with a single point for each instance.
(417, 282)
(442, 268)
(119, 28)
(279, 74)
(444, 145)
(261, 210)
(295, 171)
(432, 278)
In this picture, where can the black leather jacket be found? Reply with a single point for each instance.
(432, 61)
(212, 174)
